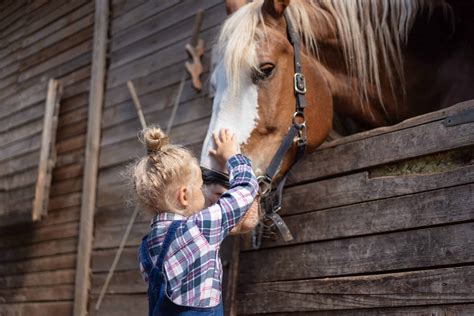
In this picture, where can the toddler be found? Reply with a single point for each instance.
(179, 258)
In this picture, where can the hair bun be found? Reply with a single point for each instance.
(154, 139)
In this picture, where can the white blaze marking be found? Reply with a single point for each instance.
(239, 114)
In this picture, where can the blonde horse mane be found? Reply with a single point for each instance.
(371, 34)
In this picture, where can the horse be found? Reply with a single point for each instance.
(361, 59)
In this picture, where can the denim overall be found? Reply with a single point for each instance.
(158, 301)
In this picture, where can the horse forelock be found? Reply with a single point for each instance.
(371, 34)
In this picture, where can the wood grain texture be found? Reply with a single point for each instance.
(88, 196)
(430, 310)
(424, 135)
(426, 287)
(48, 151)
(437, 207)
(413, 249)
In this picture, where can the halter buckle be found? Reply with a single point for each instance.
(299, 83)
(264, 184)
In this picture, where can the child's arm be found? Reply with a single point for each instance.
(217, 221)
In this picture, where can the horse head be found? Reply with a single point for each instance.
(254, 87)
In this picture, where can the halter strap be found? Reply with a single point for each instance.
(299, 122)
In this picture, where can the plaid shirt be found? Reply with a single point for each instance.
(192, 265)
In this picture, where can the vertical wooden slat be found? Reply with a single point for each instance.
(48, 150)
(96, 96)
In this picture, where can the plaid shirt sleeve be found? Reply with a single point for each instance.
(216, 221)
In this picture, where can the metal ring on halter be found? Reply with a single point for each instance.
(299, 114)
(264, 184)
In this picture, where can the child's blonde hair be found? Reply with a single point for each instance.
(157, 176)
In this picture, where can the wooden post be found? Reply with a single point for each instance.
(96, 96)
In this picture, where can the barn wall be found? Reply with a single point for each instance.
(383, 225)
(147, 40)
(40, 40)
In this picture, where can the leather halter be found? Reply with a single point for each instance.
(271, 201)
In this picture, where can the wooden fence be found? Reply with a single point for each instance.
(383, 225)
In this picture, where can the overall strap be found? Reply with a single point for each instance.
(145, 257)
(166, 244)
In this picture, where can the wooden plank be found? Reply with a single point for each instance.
(38, 234)
(63, 201)
(124, 282)
(13, 105)
(45, 248)
(30, 95)
(359, 187)
(121, 7)
(102, 259)
(66, 187)
(31, 115)
(120, 305)
(38, 279)
(18, 180)
(59, 216)
(74, 116)
(118, 214)
(34, 22)
(105, 237)
(72, 28)
(75, 102)
(196, 109)
(150, 44)
(19, 148)
(50, 52)
(21, 132)
(59, 262)
(127, 150)
(82, 279)
(152, 102)
(48, 151)
(146, 84)
(406, 142)
(161, 59)
(75, 157)
(455, 309)
(77, 88)
(164, 19)
(59, 59)
(72, 130)
(71, 144)
(137, 14)
(67, 172)
(55, 20)
(413, 249)
(414, 288)
(41, 294)
(56, 308)
(443, 206)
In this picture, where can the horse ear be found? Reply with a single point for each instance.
(275, 8)
(234, 5)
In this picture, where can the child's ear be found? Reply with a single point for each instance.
(183, 198)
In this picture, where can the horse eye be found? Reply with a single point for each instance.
(263, 72)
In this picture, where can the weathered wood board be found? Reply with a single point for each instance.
(378, 229)
(41, 40)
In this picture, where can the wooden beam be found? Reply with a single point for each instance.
(48, 150)
(96, 96)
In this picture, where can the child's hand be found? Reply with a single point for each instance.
(226, 146)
